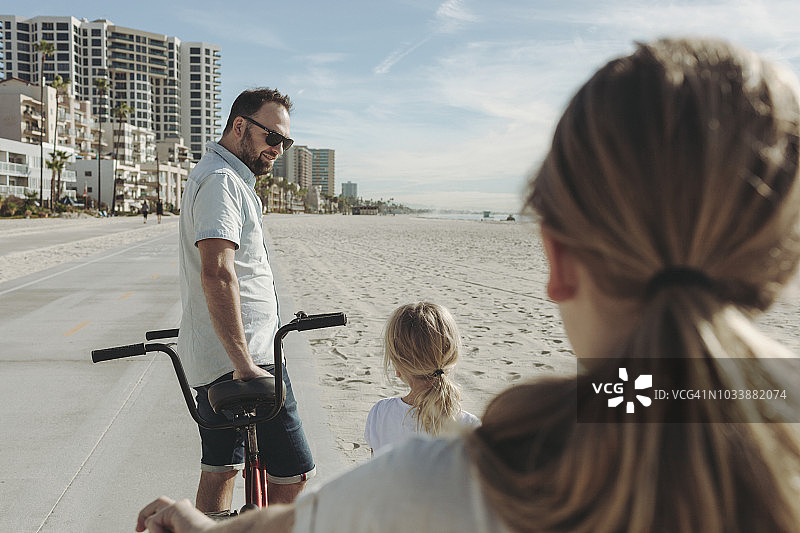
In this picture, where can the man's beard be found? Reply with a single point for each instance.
(251, 158)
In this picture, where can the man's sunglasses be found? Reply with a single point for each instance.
(273, 137)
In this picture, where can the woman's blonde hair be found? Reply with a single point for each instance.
(422, 343)
(683, 154)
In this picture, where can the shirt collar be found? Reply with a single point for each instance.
(240, 168)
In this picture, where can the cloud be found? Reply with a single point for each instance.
(450, 17)
(397, 55)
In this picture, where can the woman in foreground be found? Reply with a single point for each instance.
(670, 213)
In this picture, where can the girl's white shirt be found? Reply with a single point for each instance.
(390, 422)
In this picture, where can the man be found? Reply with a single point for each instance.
(230, 309)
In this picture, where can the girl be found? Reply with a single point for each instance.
(422, 344)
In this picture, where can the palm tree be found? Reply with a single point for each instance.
(121, 112)
(60, 85)
(57, 163)
(45, 49)
(102, 86)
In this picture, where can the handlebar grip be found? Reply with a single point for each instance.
(118, 352)
(161, 334)
(326, 320)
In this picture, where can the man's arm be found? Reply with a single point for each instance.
(221, 288)
(165, 515)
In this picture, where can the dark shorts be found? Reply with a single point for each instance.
(281, 441)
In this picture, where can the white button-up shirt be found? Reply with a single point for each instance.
(220, 202)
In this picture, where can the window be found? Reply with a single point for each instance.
(194, 60)
(194, 50)
(195, 77)
(47, 26)
(97, 32)
(62, 46)
(48, 36)
(62, 37)
(96, 42)
(87, 172)
(97, 62)
(62, 26)
(62, 57)
(97, 52)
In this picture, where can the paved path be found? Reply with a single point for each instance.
(83, 445)
(35, 234)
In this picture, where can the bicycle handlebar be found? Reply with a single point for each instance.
(325, 320)
(118, 352)
(161, 334)
(301, 322)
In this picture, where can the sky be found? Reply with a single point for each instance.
(443, 104)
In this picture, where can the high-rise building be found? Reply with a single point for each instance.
(295, 165)
(323, 171)
(169, 86)
(350, 189)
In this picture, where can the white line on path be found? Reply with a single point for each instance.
(96, 444)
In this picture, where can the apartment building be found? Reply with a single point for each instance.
(170, 87)
(21, 170)
(323, 171)
(296, 166)
(22, 116)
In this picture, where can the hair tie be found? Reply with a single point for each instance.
(676, 275)
(437, 372)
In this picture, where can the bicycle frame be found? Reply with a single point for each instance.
(255, 473)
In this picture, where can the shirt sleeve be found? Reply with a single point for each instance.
(369, 428)
(217, 209)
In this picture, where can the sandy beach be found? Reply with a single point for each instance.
(491, 275)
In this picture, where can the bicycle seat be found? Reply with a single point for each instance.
(233, 394)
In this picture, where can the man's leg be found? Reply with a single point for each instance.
(222, 456)
(278, 493)
(215, 491)
(285, 450)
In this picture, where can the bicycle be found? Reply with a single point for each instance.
(237, 399)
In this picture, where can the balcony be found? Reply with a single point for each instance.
(14, 169)
(121, 37)
(120, 46)
(13, 190)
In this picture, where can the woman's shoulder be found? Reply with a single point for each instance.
(421, 485)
